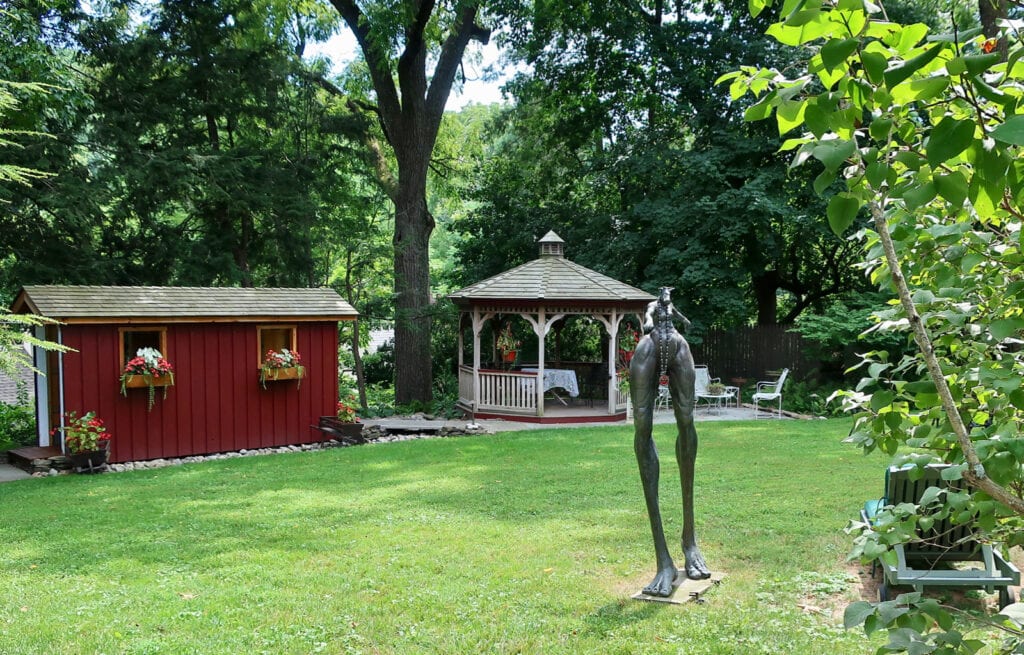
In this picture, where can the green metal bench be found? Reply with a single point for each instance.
(925, 561)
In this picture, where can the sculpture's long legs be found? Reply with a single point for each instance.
(681, 384)
(643, 374)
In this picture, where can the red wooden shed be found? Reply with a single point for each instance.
(215, 338)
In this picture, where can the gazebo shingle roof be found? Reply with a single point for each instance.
(92, 303)
(549, 278)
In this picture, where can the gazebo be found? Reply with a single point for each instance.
(542, 292)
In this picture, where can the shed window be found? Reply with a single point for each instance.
(275, 337)
(134, 338)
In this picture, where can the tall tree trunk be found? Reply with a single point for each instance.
(410, 115)
(413, 227)
(766, 285)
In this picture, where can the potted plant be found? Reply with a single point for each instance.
(508, 345)
(282, 364)
(348, 423)
(716, 389)
(147, 369)
(86, 440)
(628, 339)
(345, 426)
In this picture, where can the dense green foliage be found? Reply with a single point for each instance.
(620, 142)
(926, 133)
(17, 422)
(528, 542)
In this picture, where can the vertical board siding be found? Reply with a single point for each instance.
(216, 403)
(749, 352)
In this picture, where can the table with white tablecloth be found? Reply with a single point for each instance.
(561, 378)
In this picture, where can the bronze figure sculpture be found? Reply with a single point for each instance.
(661, 351)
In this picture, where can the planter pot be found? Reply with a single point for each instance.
(290, 373)
(143, 381)
(347, 432)
(625, 355)
(510, 356)
(88, 461)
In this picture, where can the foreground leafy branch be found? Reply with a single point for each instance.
(924, 131)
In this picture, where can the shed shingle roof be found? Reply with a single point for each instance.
(551, 279)
(95, 303)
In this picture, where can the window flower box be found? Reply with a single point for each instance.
(141, 381)
(148, 369)
(287, 373)
(281, 365)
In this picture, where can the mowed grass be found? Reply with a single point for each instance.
(525, 542)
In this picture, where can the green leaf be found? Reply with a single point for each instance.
(930, 495)
(879, 129)
(898, 74)
(874, 66)
(824, 181)
(971, 259)
(761, 110)
(1012, 131)
(1017, 398)
(948, 139)
(842, 211)
(924, 89)
(978, 64)
(984, 197)
(836, 51)
(876, 174)
(919, 196)
(790, 114)
(952, 187)
(816, 120)
(856, 613)
(881, 399)
(756, 7)
(1006, 327)
(952, 473)
(834, 152)
(797, 35)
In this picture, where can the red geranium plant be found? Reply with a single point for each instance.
(83, 434)
(347, 411)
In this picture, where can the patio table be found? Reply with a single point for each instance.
(560, 378)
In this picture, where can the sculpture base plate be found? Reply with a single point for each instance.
(684, 590)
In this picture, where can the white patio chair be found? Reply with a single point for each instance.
(769, 391)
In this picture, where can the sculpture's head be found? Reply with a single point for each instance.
(665, 296)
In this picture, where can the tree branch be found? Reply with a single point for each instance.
(974, 473)
(376, 58)
(452, 50)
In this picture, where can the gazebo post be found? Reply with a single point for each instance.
(478, 326)
(613, 342)
(541, 328)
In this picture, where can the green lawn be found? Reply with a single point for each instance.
(515, 543)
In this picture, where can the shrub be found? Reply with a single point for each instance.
(17, 422)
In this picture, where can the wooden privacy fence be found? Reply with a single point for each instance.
(750, 352)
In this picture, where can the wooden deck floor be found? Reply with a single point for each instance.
(23, 456)
(556, 412)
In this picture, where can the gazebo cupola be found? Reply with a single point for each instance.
(552, 245)
(542, 292)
